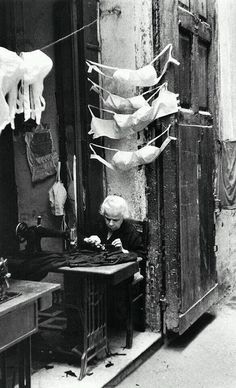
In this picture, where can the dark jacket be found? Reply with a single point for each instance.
(131, 239)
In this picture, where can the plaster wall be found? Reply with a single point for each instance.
(126, 42)
(226, 220)
(226, 248)
(33, 198)
(227, 58)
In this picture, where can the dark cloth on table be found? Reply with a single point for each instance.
(35, 266)
(86, 258)
(131, 239)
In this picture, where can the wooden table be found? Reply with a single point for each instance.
(89, 300)
(19, 320)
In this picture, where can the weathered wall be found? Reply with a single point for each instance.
(226, 221)
(33, 198)
(126, 42)
(226, 248)
(227, 59)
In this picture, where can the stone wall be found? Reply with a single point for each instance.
(126, 42)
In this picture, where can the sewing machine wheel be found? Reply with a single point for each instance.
(21, 231)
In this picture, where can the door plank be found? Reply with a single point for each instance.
(200, 307)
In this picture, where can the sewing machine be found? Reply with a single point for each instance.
(33, 235)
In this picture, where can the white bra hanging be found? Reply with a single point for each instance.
(120, 104)
(145, 76)
(123, 125)
(31, 100)
(12, 68)
(125, 160)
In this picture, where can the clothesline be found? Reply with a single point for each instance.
(67, 36)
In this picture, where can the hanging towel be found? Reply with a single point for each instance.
(31, 101)
(41, 155)
(145, 76)
(12, 68)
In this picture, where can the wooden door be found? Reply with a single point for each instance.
(188, 165)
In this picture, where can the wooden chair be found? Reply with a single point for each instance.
(136, 293)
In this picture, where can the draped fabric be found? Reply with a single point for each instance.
(41, 155)
(35, 266)
(227, 175)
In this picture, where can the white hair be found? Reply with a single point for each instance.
(117, 203)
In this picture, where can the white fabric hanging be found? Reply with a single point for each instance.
(145, 76)
(31, 101)
(57, 195)
(120, 104)
(123, 125)
(12, 69)
(125, 160)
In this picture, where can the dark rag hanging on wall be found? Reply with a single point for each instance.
(227, 175)
(41, 155)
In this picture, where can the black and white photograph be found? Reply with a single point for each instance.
(117, 194)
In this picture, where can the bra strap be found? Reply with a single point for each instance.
(94, 155)
(98, 86)
(99, 146)
(164, 85)
(170, 58)
(157, 137)
(95, 107)
(100, 65)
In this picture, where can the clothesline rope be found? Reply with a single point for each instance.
(67, 36)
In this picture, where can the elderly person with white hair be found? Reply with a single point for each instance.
(116, 229)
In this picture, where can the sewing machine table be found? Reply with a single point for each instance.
(92, 304)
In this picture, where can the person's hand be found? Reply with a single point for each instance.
(95, 240)
(118, 244)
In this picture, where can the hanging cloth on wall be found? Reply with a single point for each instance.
(57, 195)
(227, 175)
(125, 160)
(120, 104)
(41, 155)
(145, 76)
(123, 125)
(31, 101)
(12, 68)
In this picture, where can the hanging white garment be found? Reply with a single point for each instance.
(120, 104)
(145, 76)
(123, 125)
(125, 160)
(165, 104)
(117, 103)
(11, 71)
(57, 195)
(108, 128)
(31, 100)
